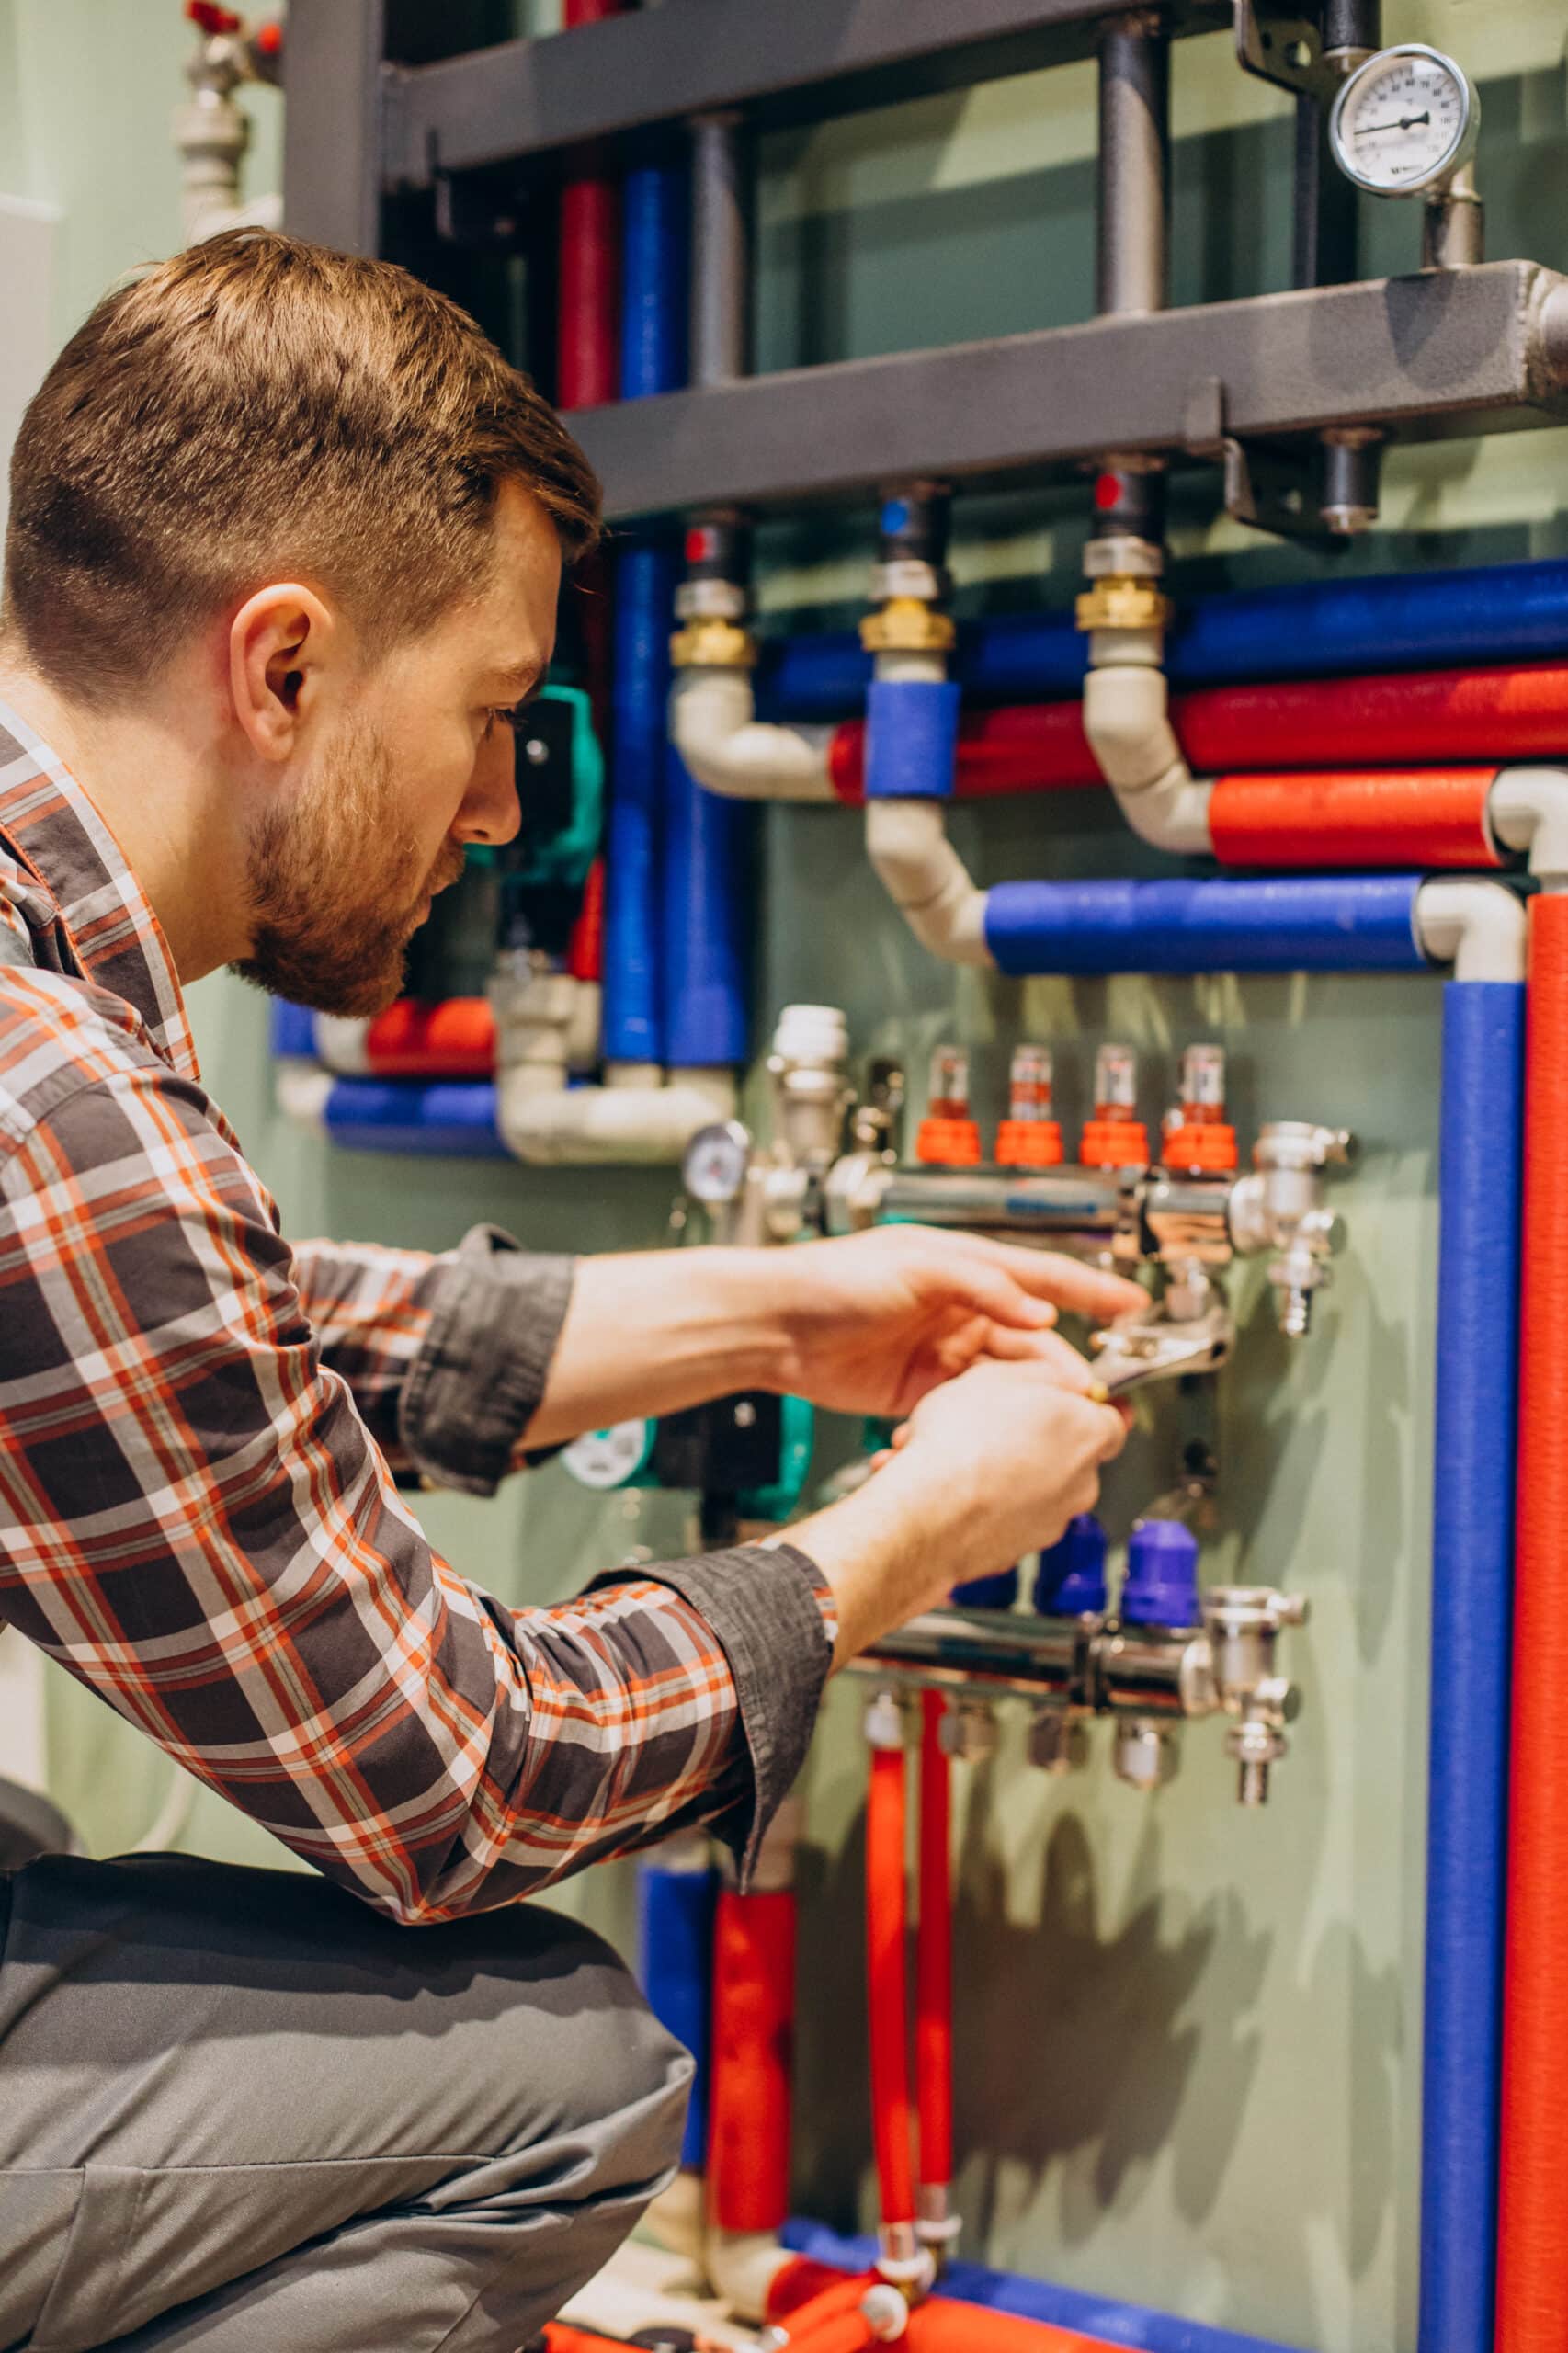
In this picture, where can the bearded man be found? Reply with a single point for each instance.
(285, 544)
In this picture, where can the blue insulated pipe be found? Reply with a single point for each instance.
(1355, 923)
(291, 1030)
(655, 204)
(451, 1117)
(653, 359)
(1497, 613)
(1106, 2317)
(674, 1949)
(633, 1003)
(678, 851)
(706, 858)
(1472, 1560)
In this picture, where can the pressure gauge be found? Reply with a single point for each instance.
(611, 1458)
(714, 1169)
(1405, 121)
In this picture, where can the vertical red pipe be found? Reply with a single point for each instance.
(933, 1964)
(887, 1986)
(1532, 2265)
(748, 2111)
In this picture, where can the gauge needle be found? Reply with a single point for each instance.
(1405, 122)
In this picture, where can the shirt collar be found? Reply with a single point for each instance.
(109, 919)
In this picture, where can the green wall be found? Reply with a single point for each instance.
(1189, 2036)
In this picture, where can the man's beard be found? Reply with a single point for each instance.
(335, 885)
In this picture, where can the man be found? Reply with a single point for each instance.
(284, 550)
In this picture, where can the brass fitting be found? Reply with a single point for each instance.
(907, 625)
(712, 644)
(1123, 602)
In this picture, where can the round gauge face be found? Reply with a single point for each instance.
(609, 1458)
(714, 1169)
(1405, 120)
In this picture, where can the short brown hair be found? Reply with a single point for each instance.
(259, 408)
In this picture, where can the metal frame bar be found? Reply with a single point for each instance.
(332, 122)
(777, 61)
(1477, 349)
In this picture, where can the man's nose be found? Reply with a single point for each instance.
(489, 812)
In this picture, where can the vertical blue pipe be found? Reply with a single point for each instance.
(696, 917)
(634, 1014)
(1473, 1557)
(706, 843)
(653, 359)
(674, 1947)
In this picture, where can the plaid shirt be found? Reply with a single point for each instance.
(199, 1431)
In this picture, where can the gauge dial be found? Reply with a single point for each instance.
(610, 1458)
(714, 1169)
(1405, 121)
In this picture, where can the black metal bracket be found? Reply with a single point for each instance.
(1283, 46)
(480, 214)
(1271, 485)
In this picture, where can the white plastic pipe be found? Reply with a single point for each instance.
(1528, 810)
(714, 727)
(907, 843)
(1478, 927)
(1127, 722)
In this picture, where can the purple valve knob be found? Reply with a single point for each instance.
(1071, 1580)
(1162, 1576)
(999, 1592)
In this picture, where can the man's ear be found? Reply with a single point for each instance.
(280, 642)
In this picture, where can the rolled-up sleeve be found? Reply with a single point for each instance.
(446, 1356)
(197, 1524)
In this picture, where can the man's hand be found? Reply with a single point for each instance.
(875, 1322)
(990, 1466)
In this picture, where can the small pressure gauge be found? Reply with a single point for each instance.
(714, 1169)
(611, 1458)
(1405, 121)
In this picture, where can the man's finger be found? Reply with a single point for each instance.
(1048, 1349)
(1048, 1275)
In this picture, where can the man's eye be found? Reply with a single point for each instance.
(505, 715)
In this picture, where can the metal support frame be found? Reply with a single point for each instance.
(633, 77)
(1476, 350)
(332, 122)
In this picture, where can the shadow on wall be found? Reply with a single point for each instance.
(1097, 2050)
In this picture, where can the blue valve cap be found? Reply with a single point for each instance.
(1162, 1576)
(988, 1593)
(1071, 1579)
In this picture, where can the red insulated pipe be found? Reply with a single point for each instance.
(887, 1984)
(1532, 2251)
(1437, 716)
(938, 2325)
(1021, 747)
(1381, 817)
(1440, 717)
(748, 2097)
(587, 361)
(453, 1039)
(934, 1953)
(586, 951)
(844, 2333)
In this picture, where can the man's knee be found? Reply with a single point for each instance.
(604, 2074)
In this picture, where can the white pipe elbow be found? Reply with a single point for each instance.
(1480, 928)
(1127, 722)
(1528, 810)
(729, 750)
(300, 1092)
(550, 1125)
(907, 843)
(343, 1043)
(742, 2266)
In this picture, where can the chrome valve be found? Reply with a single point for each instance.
(1280, 1208)
(1245, 1623)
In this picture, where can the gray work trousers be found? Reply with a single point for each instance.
(240, 2111)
